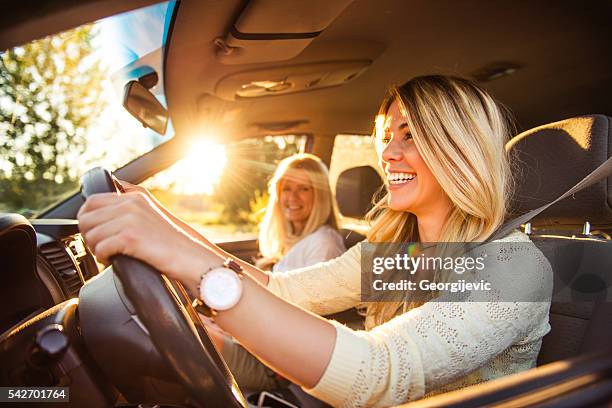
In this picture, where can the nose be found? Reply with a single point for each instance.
(392, 151)
(294, 195)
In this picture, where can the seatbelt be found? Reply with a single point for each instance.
(604, 170)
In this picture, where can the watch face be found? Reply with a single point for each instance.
(221, 289)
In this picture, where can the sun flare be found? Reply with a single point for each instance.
(201, 169)
(198, 172)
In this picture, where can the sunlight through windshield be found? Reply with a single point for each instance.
(196, 174)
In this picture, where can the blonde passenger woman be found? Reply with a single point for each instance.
(300, 226)
(441, 145)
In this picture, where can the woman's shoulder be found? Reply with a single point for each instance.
(323, 244)
(520, 245)
(325, 233)
(515, 236)
(516, 246)
(324, 240)
(515, 263)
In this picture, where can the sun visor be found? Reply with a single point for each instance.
(276, 30)
(289, 79)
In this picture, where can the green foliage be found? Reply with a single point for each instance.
(257, 208)
(49, 95)
(250, 165)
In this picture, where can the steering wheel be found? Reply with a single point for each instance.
(192, 356)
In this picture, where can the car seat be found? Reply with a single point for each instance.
(355, 191)
(22, 292)
(574, 233)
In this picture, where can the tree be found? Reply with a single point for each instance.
(49, 96)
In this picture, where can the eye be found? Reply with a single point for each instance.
(386, 137)
(408, 136)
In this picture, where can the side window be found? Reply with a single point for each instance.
(221, 190)
(351, 151)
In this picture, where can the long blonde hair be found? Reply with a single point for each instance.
(460, 132)
(275, 235)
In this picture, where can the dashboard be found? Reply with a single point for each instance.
(56, 330)
(35, 279)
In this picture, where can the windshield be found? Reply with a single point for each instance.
(61, 107)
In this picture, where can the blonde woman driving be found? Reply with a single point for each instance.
(441, 144)
(300, 226)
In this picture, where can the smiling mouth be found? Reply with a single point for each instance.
(396, 178)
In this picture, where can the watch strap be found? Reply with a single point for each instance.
(234, 266)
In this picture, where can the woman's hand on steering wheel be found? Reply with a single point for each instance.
(131, 224)
(180, 224)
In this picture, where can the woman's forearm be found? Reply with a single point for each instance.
(256, 273)
(280, 334)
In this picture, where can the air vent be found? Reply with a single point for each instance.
(57, 256)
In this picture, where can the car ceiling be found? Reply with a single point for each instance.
(22, 21)
(562, 48)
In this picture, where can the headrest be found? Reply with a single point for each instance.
(550, 159)
(355, 189)
(17, 227)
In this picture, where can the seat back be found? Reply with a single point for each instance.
(581, 311)
(552, 158)
(21, 291)
(355, 190)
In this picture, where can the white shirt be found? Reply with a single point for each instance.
(323, 244)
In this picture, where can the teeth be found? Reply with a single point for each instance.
(398, 178)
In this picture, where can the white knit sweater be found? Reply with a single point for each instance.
(437, 347)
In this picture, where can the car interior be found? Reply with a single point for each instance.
(251, 69)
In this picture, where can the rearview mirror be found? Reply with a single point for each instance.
(145, 107)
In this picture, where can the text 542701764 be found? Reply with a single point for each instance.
(34, 394)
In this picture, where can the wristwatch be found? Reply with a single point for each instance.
(220, 289)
